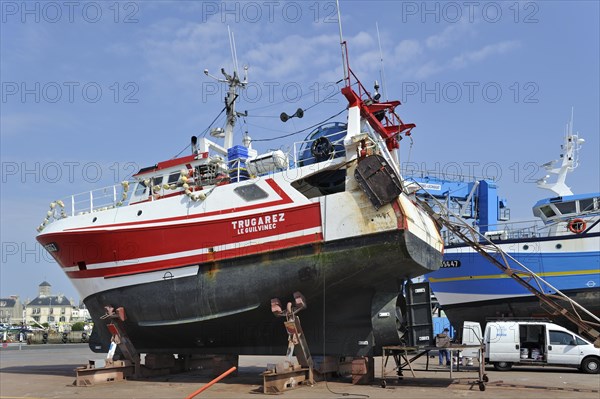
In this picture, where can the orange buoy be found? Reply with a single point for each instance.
(577, 226)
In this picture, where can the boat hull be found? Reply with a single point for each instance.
(468, 287)
(519, 307)
(225, 307)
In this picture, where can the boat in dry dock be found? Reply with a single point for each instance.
(194, 248)
(562, 246)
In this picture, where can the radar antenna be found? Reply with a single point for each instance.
(342, 44)
(570, 161)
(382, 70)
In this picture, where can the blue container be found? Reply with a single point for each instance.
(237, 152)
(236, 157)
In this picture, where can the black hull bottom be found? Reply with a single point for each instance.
(528, 306)
(338, 279)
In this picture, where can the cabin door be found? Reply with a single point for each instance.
(562, 348)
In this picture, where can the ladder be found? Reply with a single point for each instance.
(557, 303)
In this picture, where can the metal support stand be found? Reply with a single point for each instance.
(400, 354)
(288, 375)
(114, 370)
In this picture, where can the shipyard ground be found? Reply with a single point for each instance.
(47, 371)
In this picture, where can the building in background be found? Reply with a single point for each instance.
(11, 310)
(80, 313)
(47, 308)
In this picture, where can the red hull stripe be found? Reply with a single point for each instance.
(285, 199)
(131, 244)
(118, 271)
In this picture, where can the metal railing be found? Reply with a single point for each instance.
(87, 202)
(98, 199)
(410, 172)
(510, 231)
(302, 148)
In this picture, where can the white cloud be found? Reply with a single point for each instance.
(464, 59)
(449, 35)
(406, 50)
(363, 39)
(289, 57)
(179, 51)
(427, 69)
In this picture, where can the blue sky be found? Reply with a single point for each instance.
(93, 90)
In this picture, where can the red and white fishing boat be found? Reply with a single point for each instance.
(196, 247)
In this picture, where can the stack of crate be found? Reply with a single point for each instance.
(236, 163)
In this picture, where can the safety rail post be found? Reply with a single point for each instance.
(91, 201)
(295, 156)
(72, 205)
(114, 194)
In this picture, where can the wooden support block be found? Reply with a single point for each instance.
(363, 371)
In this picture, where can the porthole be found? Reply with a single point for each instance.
(139, 213)
(94, 219)
(525, 247)
(558, 246)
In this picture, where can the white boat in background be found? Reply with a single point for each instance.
(562, 246)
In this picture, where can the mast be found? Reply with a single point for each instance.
(233, 83)
(570, 161)
(382, 70)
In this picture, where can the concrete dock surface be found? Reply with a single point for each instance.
(47, 371)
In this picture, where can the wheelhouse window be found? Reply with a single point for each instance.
(586, 205)
(140, 189)
(157, 180)
(548, 211)
(173, 178)
(251, 192)
(566, 207)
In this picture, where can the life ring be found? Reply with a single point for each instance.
(577, 226)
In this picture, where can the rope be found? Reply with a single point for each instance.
(201, 134)
(300, 131)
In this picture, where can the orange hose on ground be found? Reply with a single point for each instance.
(205, 387)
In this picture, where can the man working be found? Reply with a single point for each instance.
(442, 341)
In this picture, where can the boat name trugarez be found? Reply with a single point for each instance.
(252, 225)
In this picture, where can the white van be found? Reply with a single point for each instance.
(509, 343)
(533, 343)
